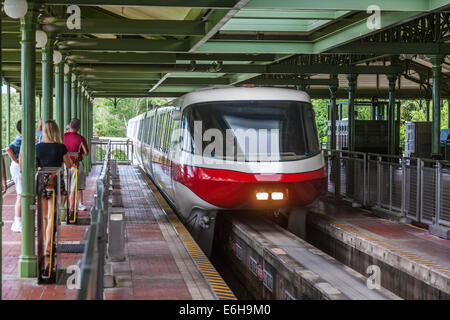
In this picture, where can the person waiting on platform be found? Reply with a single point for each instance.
(76, 143)
(51, 152)
(13, 151)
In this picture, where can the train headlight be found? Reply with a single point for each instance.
(277, 196)
(262, 195)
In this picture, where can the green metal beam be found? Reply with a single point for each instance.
(360, 29)
(207, 4)
(296, 81)
(288, 14)
(216, 20)
(127, 27)
(152, 58)
(14, 56)
(360, 5)
(259, 69)
(124, 45)
(393, 48)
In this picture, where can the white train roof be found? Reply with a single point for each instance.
(240, 93)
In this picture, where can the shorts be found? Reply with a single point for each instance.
(49, 186)
(72, 177)
(16, 177)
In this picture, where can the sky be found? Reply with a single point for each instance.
(4, 89)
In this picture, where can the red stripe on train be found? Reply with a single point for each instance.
(233, 189)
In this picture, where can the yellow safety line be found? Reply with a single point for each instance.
(409, 255)
(216, 282)
(51, 236)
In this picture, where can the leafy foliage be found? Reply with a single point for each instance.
(111, 116)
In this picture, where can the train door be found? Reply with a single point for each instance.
(140, 142)
(174, 147)
(149, 140)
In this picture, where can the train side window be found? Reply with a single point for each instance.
(167, 133)
(150, 130)
(176, 132)
(158, 130)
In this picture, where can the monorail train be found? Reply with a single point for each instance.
(231, 148)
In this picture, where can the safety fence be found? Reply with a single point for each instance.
(414, 188)
(93, 262)
(121, 149)
(7, 163)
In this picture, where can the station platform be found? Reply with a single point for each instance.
(162, 260)
(414, 264)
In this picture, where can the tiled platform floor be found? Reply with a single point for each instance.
(157, 266)
(14, 288)
(404, 237)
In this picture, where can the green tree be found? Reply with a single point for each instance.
(111, 115)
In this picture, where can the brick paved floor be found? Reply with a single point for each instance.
(157, 265)
(26, 289)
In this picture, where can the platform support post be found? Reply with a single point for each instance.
(436, 60)
(392, 78)
(67, 95)
(59, 96)
(352, 83)
(28, 261)
(73, 104)
(8, 112)
(333, 117)
(79, 101)
(47, 79)
(1, 171)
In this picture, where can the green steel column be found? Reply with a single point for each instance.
(79, 101)
(39, 105)
(67, 94)
(352, 82)
(73, 105)
(333, 109)
(436, 60)
(7, 132)
(391, 114)
(47, 79)
(27, 260)
(59, 96)
(8, 112)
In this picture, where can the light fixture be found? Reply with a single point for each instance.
(41, 39)
(57, 57)
(66, 69)
(15, 8)
(277, 196)
(262, 195)
(74, 77)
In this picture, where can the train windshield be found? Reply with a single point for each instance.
(251, 130)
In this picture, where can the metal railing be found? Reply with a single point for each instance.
(347, 174)
(417, 189)
(121, 150)
(7, 161)
(93, 262)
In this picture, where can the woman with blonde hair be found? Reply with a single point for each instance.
(51, 152)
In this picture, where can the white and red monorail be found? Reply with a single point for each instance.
(231, 148)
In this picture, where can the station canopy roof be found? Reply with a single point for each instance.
(165, 48)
